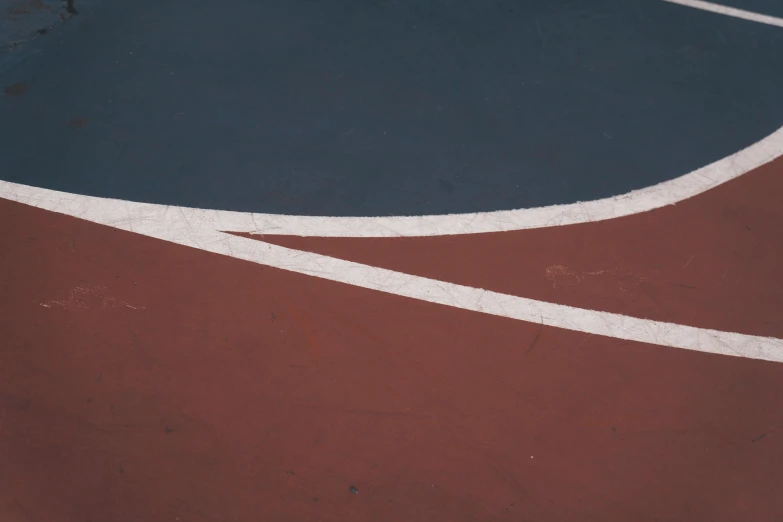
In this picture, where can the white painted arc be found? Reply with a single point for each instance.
(657, 196)
(635, 202)
(175, 227)
(730, 11)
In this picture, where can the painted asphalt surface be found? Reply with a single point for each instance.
(387, 108)
(146, 381)
(144, 377)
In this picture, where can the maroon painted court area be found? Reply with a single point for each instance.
(141, 380)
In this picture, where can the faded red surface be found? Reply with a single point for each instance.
(143, 381)
(713, 261)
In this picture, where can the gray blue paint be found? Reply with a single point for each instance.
(402, 107)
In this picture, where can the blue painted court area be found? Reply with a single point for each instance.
(395, 107)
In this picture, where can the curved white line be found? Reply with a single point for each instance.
(111, 211)
(635, 202)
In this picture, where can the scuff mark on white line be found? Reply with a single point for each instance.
(730, 11)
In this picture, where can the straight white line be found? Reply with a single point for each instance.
(175, 227)
(494, 303)
(488, 302)
(730, 11)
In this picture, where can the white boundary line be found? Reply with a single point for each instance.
(638, 201)
(175, 226)
(730, 11)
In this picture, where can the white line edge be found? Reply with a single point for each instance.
(485, 301)
(644, 200)
(729, 11)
